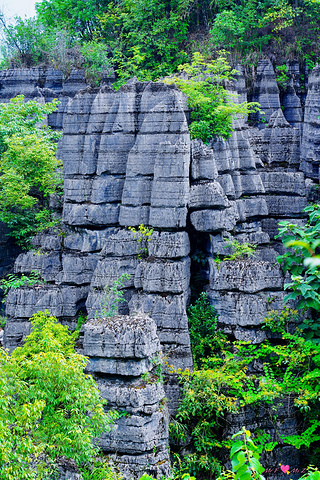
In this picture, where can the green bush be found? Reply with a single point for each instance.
(228, 30)
(15, 281)
(48, 406)
(112, 296)
(212, 108)
(28, 167)
(205, 337)
(96, 60)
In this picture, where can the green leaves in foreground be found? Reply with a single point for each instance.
(301, 259)
(48, 406)
(245, 457)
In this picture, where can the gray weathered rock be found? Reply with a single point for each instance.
(266, 91)
(310, 152)
(248, 276)
(123, 348)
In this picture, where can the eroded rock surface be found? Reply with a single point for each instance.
(125, 358)
(128, 159)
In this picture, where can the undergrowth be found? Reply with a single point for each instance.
(270, 378)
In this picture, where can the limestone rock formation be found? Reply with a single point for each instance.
(128, 160)
(125, 358)
(266, 91)
(311, 128)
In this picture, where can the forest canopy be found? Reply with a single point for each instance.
(150, 38)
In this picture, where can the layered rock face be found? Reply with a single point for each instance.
(128, 160)
(43, 85)
(125, 358)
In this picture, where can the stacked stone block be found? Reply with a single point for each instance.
(125, 359)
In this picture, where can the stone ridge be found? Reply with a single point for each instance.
(124, 357)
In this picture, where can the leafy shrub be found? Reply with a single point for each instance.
(112, 297)
(100, 471)
(48, 406)
(239, 250)
(301, 260)
(282, 75)
(228, 30)
(212, 109)
(28, 167)
(143, 236)
(96, 60)
(290, 380)
(82, 319)
(3, 321)
(205, 337)
(280, 321)
(15, 281)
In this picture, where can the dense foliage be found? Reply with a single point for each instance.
(48, 406)
(286, 376)
(212, 108)
(150, 38)
(205, 337)
(28, 167)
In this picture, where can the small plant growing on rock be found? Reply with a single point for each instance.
(143, 235)
(14, 281)
(240, 250)
(112, 297)
(279, 321)
(282, 76)
(158, 368)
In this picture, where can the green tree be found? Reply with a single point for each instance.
(28, 166)
(147, 37)
(48, 406)
(79, 17)
(212, 108)
(228, 30)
